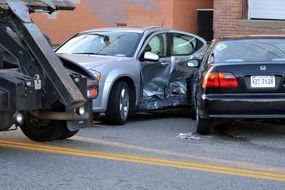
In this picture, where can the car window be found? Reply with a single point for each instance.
(249, 50)
(184, 44)
(112, 43)
(157, 45)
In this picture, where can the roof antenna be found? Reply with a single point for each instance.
(162, 23)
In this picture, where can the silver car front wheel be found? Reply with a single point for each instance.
(119, 104)
(124, 103)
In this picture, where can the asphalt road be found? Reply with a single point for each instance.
(147, 153)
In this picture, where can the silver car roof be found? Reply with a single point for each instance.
(142, 30)
(145, 30)
(127, 29)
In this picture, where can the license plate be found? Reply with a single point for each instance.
(262, 81)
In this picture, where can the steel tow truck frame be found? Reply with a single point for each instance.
(38, 93)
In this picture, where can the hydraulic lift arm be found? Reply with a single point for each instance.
(47, 60)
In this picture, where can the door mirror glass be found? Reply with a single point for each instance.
(149, 56)
(193, 63)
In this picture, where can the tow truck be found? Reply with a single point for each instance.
(48, 97)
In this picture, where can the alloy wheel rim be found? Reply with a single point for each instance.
(124, 103)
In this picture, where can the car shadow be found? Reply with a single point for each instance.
(247, 130)
(233, 131)
(150, 115)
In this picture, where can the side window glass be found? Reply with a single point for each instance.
(184, 45)
(157, 45)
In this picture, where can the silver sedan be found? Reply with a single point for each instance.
(137, 68)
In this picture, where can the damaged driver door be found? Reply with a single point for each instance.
(167, 76)
(155, 72)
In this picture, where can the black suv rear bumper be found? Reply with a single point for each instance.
(242, 106)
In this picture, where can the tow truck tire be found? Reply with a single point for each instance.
(118, 104)
(46, 130)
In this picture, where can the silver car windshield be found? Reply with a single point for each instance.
(251, 50)
(102, 43)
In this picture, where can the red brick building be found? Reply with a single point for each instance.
(242, 17)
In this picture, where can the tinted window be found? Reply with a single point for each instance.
(102, 43)
(184, 44)
(252, 50)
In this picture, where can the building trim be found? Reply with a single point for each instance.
(273, 24)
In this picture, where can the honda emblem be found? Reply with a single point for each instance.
(263, 68)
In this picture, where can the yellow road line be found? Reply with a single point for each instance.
(244, 172)
(201, 159)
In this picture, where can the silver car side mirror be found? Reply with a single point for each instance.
(149, 56)
(193, 63)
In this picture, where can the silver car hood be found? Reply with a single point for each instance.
(91, 61)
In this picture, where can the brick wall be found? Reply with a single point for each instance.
(230, 19)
